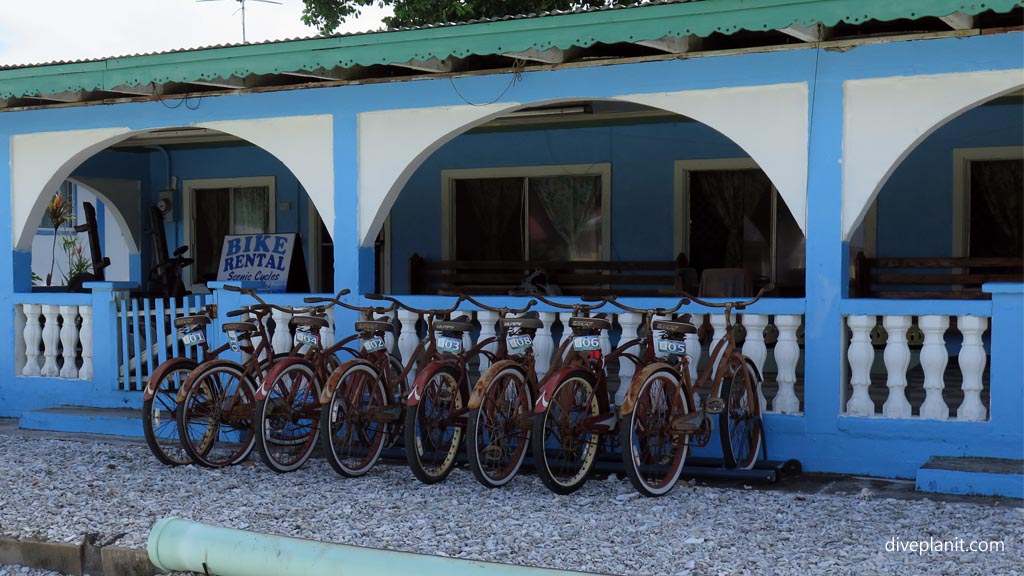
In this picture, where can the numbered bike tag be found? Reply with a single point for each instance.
(671, 347)
(586, 343)
(518, 344)
(306, 337)
(193, 338)
(233, 341)
(449, 344)
(374, 344)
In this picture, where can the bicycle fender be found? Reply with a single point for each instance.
(547, 389)
(164, 368)
(629, 401)
(477, 396)
(335, 377)
(273, 374)
(192, 377)
(423, 377)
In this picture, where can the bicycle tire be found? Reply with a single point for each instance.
(399, 392)
(432, 439)
(352, 439)
(740, 429)
(160, 413)
(653, 456)
(496, 440)
(563, 453)
(218, 410)
(288, 418)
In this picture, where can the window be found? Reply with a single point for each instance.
(988, 201)
(544, 213)
(729, 215)
(220, 207)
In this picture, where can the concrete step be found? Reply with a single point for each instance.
(972, 475)
(84, 420)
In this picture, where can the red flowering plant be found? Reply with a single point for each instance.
(59, 213)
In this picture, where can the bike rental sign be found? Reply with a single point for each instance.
(263, 258)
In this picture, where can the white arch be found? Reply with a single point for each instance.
(885, 119)
(114, 212)
(768, 122)
(41, 161)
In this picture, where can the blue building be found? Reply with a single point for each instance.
(804, 144)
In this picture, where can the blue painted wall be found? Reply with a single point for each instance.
(822, 438)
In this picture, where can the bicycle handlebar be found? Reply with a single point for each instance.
(737, 304)
(613, 300)
(435, 312)
(504, 310)
(264, 304)
(336, 300)
(583, 307)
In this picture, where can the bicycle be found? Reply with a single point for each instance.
(500, 406)
(159, 405)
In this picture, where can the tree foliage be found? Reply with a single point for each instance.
(327, 15)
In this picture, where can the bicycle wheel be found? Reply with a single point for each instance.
(216, 416)
(288, 418)
(739, 425)
(432, 437)
(652, 453)
(499, 430)
(564, 449)
(160, 414)
(353, 423)
(399, 392)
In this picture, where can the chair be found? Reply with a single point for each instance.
(725, 283)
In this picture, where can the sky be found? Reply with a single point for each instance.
(39, 31)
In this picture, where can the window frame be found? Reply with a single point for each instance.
(962, 158)
(449, 177)
(681, 182)
(188, 194)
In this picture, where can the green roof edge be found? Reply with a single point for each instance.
(650, 22)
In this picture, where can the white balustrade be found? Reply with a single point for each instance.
(933, 362)
(282, 338)
(755, 349)
(33, 336)
(563, 318)
(693, 351)
(69, 341)
(718, 324)
(408, 339)
(487, 320)
(861, 355)
(85, 336)
(51, 337)
(543, 344)
(467, 338)
(787, 355)
(327, 332)
(630, 322)
(972, 365)
(897, 360)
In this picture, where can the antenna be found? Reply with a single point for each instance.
(242, 10)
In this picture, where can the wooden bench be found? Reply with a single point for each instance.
(933, 278)
(624, 278)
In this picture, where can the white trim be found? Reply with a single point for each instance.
(448, 177)
(188, 189)
(962, 158)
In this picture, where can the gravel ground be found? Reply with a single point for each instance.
(58, 490)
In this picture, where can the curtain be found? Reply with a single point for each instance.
(565, 218)
(488, 219)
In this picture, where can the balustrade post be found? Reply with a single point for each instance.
(467, 337)
(51, 336)
(544, 344)
(85, 336)
(897, 359)
(33, 335)
(718, 325)
(630, 323)
(69, 341)
(563, 318)
(327, 332)
(408, 339)
(861, 355)
(487, 330)
(972, 365)
(754, 348)
(933, 362)
(282, 338)
(693, 352)
(787, 355)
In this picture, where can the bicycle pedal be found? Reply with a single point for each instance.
(715, 405)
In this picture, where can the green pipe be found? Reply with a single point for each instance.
(182, 545)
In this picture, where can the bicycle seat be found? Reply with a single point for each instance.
(314, 322)
(591, 323)
(238, 327)
(374, 326)
(186, 321)
(673, 327)
(528, 321)
(460, 324)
